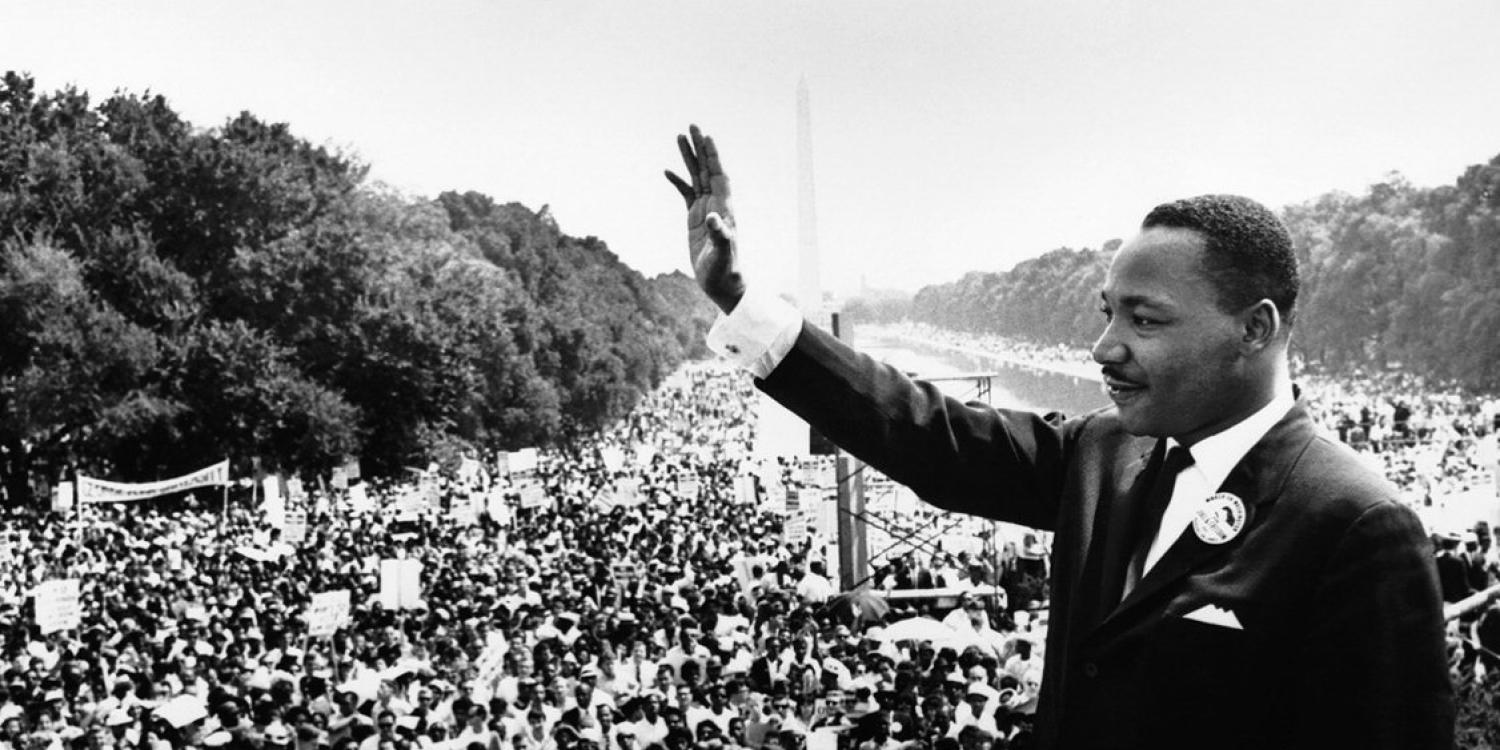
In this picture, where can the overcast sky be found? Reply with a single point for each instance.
(948, 136)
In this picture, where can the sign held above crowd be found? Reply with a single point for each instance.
(92, 490)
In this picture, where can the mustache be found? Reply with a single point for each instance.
(1114, 373)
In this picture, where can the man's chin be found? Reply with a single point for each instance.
(1136, 422)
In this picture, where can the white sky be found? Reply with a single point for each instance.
(949, 136)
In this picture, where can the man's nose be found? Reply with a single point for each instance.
(1109, 349)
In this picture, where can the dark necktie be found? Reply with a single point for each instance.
(1149, 521)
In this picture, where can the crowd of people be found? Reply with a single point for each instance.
(656, 592)
(649, 600)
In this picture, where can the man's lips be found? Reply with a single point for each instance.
(1115, 384)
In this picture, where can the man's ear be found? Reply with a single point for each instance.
(1262, 326)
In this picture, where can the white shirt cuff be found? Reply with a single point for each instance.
(758, 333)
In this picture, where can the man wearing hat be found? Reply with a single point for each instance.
(1204, 527)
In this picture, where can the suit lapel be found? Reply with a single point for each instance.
(1109, 545)
(1257, 480)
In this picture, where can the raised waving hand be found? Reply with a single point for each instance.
(711, 245)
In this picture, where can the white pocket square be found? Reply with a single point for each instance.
(1212, 615)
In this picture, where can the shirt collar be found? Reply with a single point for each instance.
(1216, 455)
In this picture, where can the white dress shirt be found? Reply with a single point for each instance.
(1213, 458)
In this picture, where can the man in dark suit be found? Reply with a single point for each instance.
(1224, 575)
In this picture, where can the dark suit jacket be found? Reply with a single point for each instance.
(1332, 577)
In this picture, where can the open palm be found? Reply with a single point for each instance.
(711, 246)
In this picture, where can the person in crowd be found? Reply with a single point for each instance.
(1204, 526)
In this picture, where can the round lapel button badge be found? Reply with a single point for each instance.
(1220, 519)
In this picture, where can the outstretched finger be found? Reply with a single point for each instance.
(701, 178)
(718, 182)
(690, 160)
(682, 187)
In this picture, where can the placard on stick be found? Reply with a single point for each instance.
(57, 605)
(328, 611)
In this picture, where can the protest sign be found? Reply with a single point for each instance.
(99, 491)
(294, 489)
(468, 469)
(62, 497)
(401, 584)
(613, 457)
(826, 514)
(523, 460)
(688, 488)
(628, 491)
(533, 496)
(181, 711)
(625, 571)
(744, 489)
(327, 612)
(359, 500)
(57, 605)
(412, 502)
(464, 511)
(274, 505)
(340, 479)
(498, 509)
(295, 529)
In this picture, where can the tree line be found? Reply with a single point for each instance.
(1396, 278)
(173, 295)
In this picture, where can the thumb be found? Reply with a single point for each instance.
(720, 232)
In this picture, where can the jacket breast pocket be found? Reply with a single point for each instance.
(1197, 665)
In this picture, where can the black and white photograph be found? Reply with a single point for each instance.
(669, 375)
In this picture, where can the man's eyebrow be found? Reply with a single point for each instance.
(1136, 300)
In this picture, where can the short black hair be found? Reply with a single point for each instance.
(1249, 254)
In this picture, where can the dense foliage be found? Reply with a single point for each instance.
(1399, 277)
(170, 296)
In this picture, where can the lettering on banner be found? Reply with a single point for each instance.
(57, 606)
(99, 491)
(327, 612)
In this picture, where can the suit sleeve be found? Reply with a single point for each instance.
(1376, 674)
(1002, 464)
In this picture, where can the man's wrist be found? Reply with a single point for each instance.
(757, 332)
